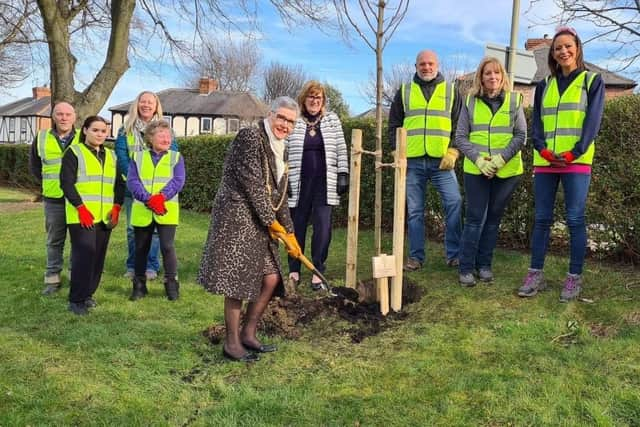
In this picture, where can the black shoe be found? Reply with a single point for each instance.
(316, 286)
(78, 308)
(139, 288)
(90, 303)
(247, 357)
(172, 288)
(51, 289)
(264, 348)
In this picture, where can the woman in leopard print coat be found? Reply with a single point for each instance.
(240, 259)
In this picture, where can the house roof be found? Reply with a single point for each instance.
(28, 107)
(190, 102)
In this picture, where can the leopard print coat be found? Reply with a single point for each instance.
(238, 247)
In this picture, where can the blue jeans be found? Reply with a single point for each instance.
(419, 171)
(153, 262)
(487, 200)
(576, 188)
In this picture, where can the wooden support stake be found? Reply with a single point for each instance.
(382, 285)
(398, 216)
(354, 207)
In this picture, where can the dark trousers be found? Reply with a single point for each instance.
(487, 200)
(312, 204)
(143, 236)
(88, 251)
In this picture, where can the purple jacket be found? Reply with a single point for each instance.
(173, 187)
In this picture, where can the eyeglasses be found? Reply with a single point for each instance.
(285, 121)
(314, 98)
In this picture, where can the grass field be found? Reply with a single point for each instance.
(479, 356)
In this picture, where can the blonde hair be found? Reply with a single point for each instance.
(154, 127)
(309, 87)
(477, 89)
(133, 111)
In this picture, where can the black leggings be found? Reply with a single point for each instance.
(167, 234)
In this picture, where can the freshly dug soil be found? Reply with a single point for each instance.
(292, 316)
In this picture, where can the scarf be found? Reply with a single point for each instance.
(277, 146)
(138, 134)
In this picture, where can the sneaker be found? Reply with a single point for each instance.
(51, 288)
(129, 274)
(151, 275)
(453, 262)
(467, 280)
(572, 287)
(412, 264)
(485, 275)
(90, 303)
(532, 284)
(78, 308)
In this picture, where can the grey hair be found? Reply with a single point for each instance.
(285, 102)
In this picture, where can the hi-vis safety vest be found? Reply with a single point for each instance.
(154, 178)
(563, 116)
(133, 147)
(95, 183)
(492, 133)
(428, 124)
(50, 154)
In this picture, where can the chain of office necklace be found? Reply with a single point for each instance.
(285, 175)
(312, 126)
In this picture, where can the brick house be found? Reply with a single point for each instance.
(21, 120)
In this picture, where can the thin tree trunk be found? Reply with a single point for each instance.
(378, 189)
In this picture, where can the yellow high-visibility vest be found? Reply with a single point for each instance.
(492, 133)
(154, 178)
(563, 116)
(50, 154)
(95, 183)
(428, 124)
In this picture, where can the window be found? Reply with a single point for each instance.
(233, 125)
(23, 129)
(205, 125)
(167, 119)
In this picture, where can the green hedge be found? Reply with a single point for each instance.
(613, 206)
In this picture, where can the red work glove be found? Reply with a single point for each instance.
(568, 156)
(547, 155)
(113, 216)
(156, 204)
(86, 217)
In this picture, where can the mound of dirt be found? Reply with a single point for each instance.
(289, 317)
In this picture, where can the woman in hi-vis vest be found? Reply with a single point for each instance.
(94, 191)
(155, 178)
(491, 132)
(567, 111)
(144, 109)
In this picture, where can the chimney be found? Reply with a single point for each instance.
(533, 44)
(207, 85)
(41, 92)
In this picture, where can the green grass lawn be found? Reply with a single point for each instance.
(479, 356)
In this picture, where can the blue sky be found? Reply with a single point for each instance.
(457, 31)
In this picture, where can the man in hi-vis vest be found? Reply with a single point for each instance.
(428, 107)
(45, 162)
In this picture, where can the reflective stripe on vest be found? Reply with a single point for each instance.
(563, 116)
(154, 178)
(428, 124)
(492, 133)
(95, 183)
(50, 154)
